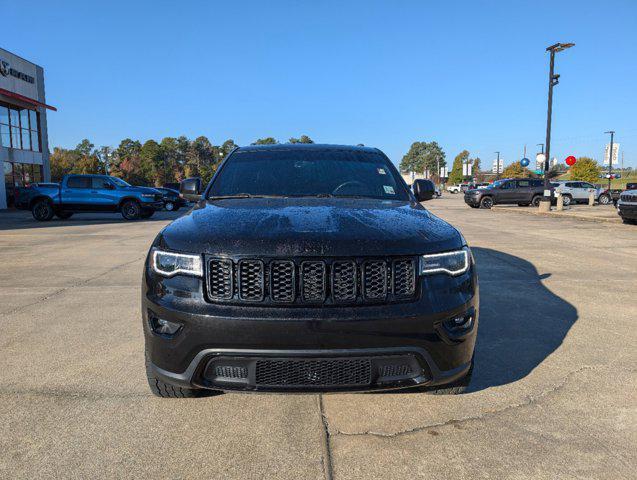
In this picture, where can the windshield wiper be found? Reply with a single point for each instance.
(243, 195)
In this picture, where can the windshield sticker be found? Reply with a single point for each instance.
(389, 189)
(381, 171)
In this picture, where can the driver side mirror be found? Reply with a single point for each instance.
(423, 190)
(190, 189)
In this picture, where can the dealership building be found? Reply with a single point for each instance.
(24, 146)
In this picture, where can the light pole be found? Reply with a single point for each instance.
(610, 157)
(497, 166)
(553, 80)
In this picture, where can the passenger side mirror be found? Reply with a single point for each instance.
(423, 190)
(190, 189)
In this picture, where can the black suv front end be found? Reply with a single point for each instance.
(309, 295)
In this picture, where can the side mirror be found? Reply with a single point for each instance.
(423, 190)
(109, 186)
(190, 189)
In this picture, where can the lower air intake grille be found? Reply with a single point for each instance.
(316, 372)
(229, 371)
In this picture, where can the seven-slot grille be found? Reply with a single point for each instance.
(331, 281)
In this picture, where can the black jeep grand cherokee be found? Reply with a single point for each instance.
(308, 268)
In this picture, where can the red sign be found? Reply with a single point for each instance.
(570, 161)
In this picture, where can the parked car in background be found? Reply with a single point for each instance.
(482, 185)
(627, 206)
(520, 191)
(461, 187)
(172, 200)
(579, 192)
(92, 193)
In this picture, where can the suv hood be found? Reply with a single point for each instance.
(288, 227)
(134, 188)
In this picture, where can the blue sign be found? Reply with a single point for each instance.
(524, 162)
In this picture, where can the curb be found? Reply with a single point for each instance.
(555, 214)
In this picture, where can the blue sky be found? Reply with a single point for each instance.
(467, 74)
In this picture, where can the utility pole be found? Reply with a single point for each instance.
(553, 80)
(610, 156)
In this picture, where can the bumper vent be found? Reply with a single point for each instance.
(318, 373)
(311, 282)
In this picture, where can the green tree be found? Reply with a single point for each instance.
(62, 162)
(456, 176)
(88, 161)
(423, 156)
(585, 169)
(127, 163)
(265, 141)
(302, 139)
(152, 162)
(516, 170)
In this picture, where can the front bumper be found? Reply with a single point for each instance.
(388, 346)
(153, 205)
(473, 200)
(627, 211)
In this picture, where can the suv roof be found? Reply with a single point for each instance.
(307, 146)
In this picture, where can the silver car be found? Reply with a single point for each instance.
(574, 191)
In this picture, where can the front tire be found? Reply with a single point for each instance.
(486, 202)
(536, 201)
(131, 210)
(567, 199)
(42, 211)
(169, 206)
(629, 221)
(603, 199)
(523, 204)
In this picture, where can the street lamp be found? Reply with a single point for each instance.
(497, 166)
(553, 80)
(610, 157)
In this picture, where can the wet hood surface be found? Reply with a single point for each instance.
(286, 227)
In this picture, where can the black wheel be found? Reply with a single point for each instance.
(629, 221)
(603, 199)
(166, 390)
(567, 199)
(42, 211)
(147, 213)
(536, 201)
(486, 202)
(169, 206)
(64, 215)
(131, 210)
(523, 204)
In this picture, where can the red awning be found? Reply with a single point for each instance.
(26, 99)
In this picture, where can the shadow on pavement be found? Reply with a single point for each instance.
(521, 321)
(22, 219)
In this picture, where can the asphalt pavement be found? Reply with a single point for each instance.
(554, 393)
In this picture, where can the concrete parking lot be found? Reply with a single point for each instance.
(554, 393)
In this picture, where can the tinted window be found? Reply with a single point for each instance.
(79, 182)
(507, 185)
(587, 185)
(523, 183)
(540, 183)
(571, 184)
(308, 172)
(99, 182)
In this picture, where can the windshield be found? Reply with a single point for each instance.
(119, 182)
(300, 173)
(496, 184)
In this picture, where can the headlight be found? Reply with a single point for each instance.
(169, 263)
(452, 263)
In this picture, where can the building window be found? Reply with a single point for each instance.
(19, 128)
(18, 175)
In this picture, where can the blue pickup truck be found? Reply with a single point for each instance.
(91, 193)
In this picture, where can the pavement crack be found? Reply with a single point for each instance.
(69, 287)
(530, 400)
(325, 434)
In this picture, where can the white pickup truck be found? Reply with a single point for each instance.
(458, 188)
